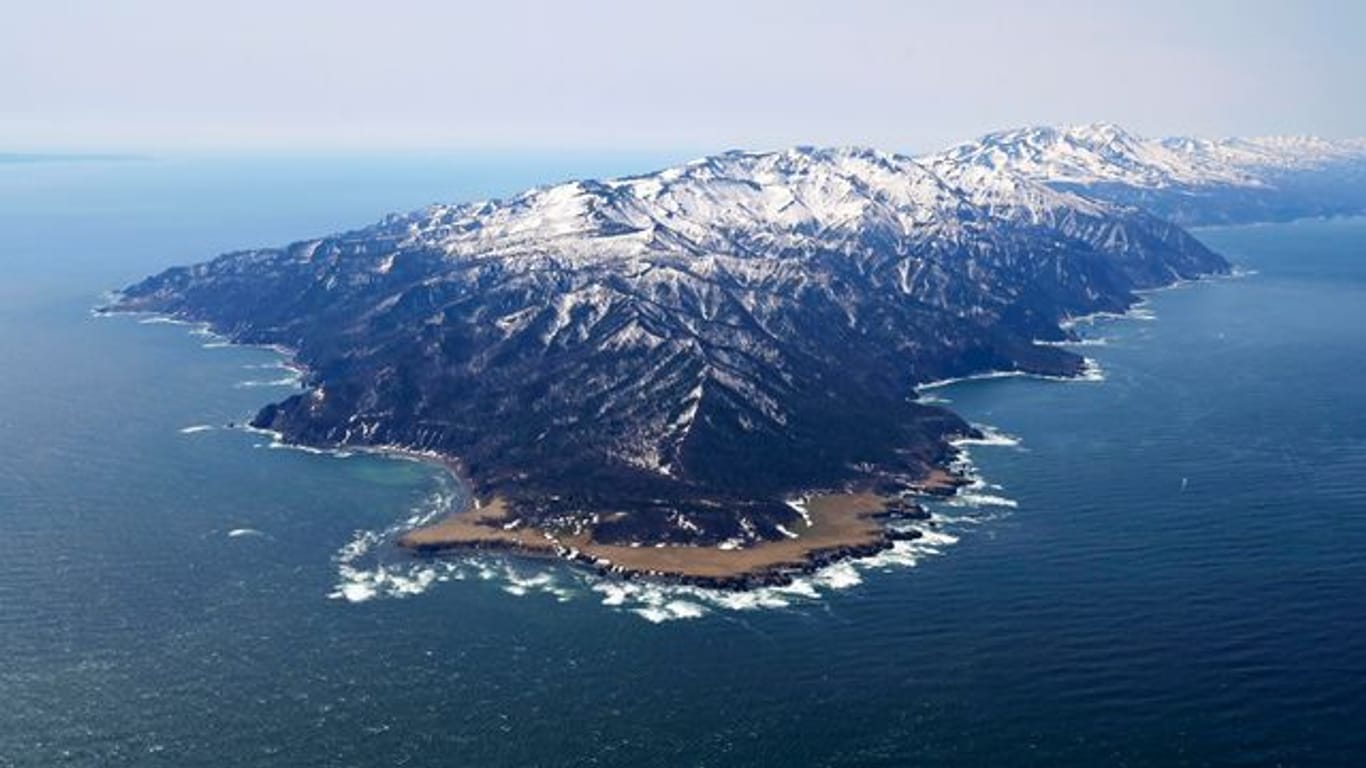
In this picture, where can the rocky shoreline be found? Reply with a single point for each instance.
(941, 480)
(488, 528)
(938, 482)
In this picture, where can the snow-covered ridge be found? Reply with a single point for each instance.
(1105, 153)
(739, 204)
(1262, 154)
(779, 199)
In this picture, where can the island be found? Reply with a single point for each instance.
(707, 374)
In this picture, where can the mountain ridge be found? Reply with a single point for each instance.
(670, 358)
(1189, 180)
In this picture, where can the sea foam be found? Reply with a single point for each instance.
(237, 533)
(292, 380)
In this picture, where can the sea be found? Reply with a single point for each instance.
(1160, 565)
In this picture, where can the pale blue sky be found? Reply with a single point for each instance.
(689, 74)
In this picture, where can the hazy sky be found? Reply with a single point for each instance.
(683, 74)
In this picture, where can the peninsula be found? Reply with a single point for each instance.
(708, 373)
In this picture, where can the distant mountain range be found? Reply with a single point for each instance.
(1190, 181)
(667, 358)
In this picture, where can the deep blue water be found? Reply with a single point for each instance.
(1181, 582)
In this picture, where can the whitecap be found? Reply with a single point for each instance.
(682, 609)
(196, 429)
(653, 614)
(284, 381)
(800, 587)
(521, 585)
(274, 435)
(356, 592)
(933, 538)
(614, 593)
(658, 606)
(841, 575)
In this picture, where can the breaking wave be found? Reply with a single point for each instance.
(238, 533)
(292, 380)
(988, 435)
(1090, 371)
(979, 493)
(369, 565)
(1139, 311)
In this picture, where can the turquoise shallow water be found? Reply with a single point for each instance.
(1180, 583)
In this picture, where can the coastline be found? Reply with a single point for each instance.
(840, 525)
(836, 526)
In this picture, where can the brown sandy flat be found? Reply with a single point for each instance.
(838, 521)
(477, 527)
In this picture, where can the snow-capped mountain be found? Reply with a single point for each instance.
(1192, 181)
(1151, 251)
(1269, 155)
(687, 347)
(1095, 154)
